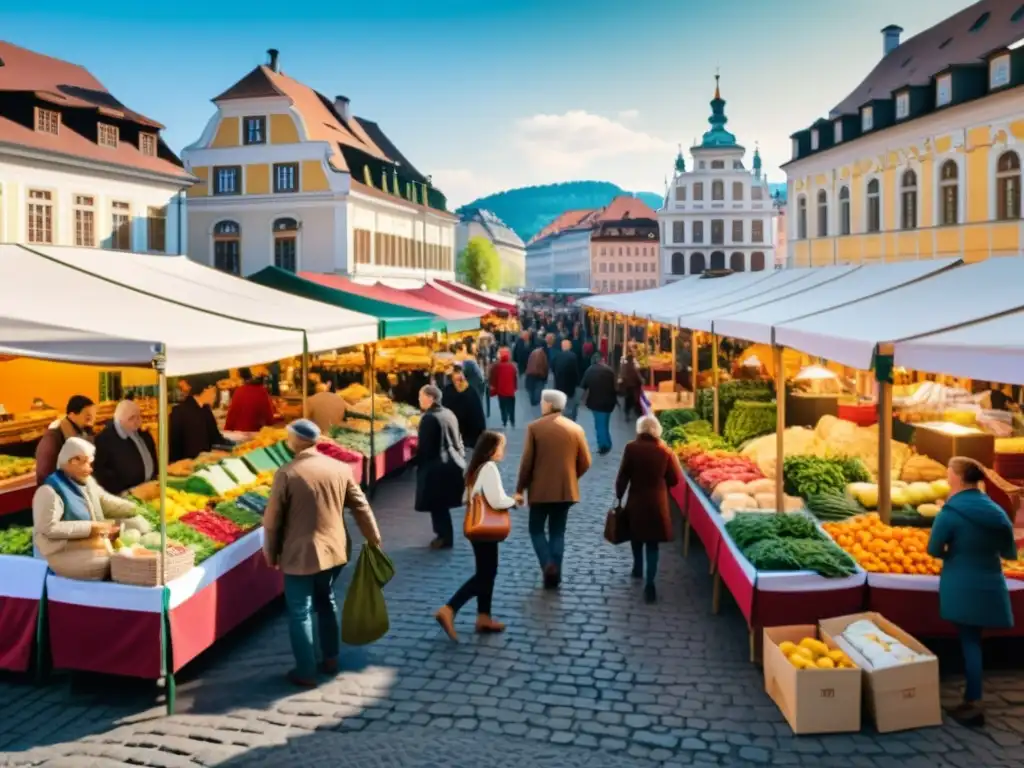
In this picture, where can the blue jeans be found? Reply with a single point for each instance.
(602, 423)
(304, 596)
(571, 407)
(534, 386)
(970, 642)
(549, 548)
(652, 559)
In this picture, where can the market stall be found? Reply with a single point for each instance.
(496, 301)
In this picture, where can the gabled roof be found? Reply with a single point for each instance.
(627, 207)
(567, 220)
(498, 230)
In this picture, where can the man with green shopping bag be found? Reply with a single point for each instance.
(305, 537)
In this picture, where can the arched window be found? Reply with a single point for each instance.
(737, 262)
(286, 244)
(1008, 187)
(844, 210)
(678, 264)
(718, 260)
(757, 261)
(801, 218)
(908, 200)
(697, 263)
(949, 193)
(874, 223)
(822, 213)
(717, 190)
(227, 247)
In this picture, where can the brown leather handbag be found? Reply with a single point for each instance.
(484, 523)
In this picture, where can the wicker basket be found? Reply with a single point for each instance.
(145, 571)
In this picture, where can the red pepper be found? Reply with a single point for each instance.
(213, 526)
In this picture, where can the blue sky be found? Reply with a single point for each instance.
(491, 95)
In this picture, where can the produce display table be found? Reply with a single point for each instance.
(126, 630)
(394, 458)
(22, 581)
(703, 519)
(16, 496)
(665, 401)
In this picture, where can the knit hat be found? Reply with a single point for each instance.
(304, 429)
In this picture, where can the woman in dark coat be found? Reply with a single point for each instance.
(440, 462)
(648, 470)
(462, 398)
(971, 534)
(631, 385)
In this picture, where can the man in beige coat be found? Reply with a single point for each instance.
(555, 457)
(305, 537)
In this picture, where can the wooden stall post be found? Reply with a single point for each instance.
(305, 375)
(780, 427)
(675, 346)
(647, 351)
(166, 661)
(370, 356)
(714, 382)
(694, 365)
(883, 377)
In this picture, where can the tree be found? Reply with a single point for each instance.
(479, 264)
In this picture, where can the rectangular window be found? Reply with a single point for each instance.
(837, 131)
(943, 90)
(737, 230)
(757, 193)
(255, 130)
(796, 147)
(47, 121)
(815, 139)
(227, 256)
(286, 177)
(147, 144)
(678, 232)
(757, 231)
(698, 190)
(867, 119)
(874, 214)
(681, 193)
(717, 232)
(120, 226)
(285, 252)
(697, 232)
(902, 106)
(40, 216)
(999, 71)
(227, 180)
(156, 229)
(361, 242)
(737, 190)
(85, 221)
(107, 135)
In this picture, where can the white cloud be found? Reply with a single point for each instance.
(570, 142)
(628, 114)
(461, 185)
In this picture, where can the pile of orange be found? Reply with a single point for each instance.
(881, 548)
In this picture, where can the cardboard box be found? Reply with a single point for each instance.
(897, 698)
(811, 700)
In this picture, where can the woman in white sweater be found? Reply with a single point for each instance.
(482, 476)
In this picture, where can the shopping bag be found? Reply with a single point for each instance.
(616, 525)
(364, 617)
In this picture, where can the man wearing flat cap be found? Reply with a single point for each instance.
(304, 536)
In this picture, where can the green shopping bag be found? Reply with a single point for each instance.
(364, 617)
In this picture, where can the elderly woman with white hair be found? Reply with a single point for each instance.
(648, 470)
(125, 453)
(70, 506)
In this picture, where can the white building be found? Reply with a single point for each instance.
(558, 257)
(477, 222)
(718, 215)
(293, 179)
(77, 167)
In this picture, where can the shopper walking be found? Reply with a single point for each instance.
(631, 385)
(482, 477)
(648, 469)
(537, 374)
(521, 351)
(600, 397)
(970, 535)
(504, 381)
(440, 461)
(461, 398)
(567, 377)
(305, 537)
(555, 457)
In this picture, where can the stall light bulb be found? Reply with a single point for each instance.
(814, 373)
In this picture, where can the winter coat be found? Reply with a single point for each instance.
(521, 354)
(504, 377)
(468, 410)
(555, 457)
(567, 373)
(118, 465)
(599, 383)
(440, 461)
(648, 469)
(971, 534)
(537, 364)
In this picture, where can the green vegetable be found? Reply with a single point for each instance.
(201, 484)
(728, 393)
(191, 538)
(16, 540)
(833, 506)
(240, 516)
(748, 420)
(853, 469)
(151, 540)
(788, 542)
(677, 417)
(810, 475)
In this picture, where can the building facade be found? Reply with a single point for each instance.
(79, 168)
(477, 222)
(780, 231)
(718, 214)
(290, 178)
(924, 158)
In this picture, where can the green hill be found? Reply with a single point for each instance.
(528, 209)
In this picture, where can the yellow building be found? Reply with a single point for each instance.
(923, 159)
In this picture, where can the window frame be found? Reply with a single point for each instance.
(908, 200)
(698, 191)
(42, 125)
(903, 105)
(994, 65)
(697, 233)
(738, 185)
(815, 139)
(218, 190)
(678, 228)
(717, 191)
(756, 231)
(949, 184)
(837, 132)
(226, 239)
(110, 131)
(801, 217)
(680, 193)
(82, 222)
(867, 119)
(276, 169)
(844, 210)
(49, 219)
(262, 122)
(821, 211)
(155, 214)
(120, 209)
(742, 231)
(146, 140)
(872, 206)
(943, 90)
(1008, 188)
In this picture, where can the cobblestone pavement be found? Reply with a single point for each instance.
(589, 676)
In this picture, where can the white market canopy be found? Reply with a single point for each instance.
(52, 311)
(990, 349)
(849, 334)
(626, 303)
(178, 279)
(754, 319)
(706, 292)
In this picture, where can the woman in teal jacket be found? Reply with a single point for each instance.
(971, 534)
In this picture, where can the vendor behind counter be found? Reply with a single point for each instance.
(192, 427)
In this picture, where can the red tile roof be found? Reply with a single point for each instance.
(567, 220)
(622, 207)
(627, 207)
(69, 86)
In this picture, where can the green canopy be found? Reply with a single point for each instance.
(392, 320)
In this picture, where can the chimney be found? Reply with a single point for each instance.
(341, 106)
(891, 39)
(273, 54)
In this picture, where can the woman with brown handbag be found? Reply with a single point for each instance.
(487, 524)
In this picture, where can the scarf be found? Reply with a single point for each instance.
(147, 459)
(72, 494)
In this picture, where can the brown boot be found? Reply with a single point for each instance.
(446, 618)
(970, 714)
(486, 625)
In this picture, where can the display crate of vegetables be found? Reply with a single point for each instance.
(711, 468)
(730, 392)
(749, 419)
(16, 540)
(791, 542)
(881, 548)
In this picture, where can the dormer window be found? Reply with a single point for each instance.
(837, 131)
(255, 130)
(814, 139)
(796, 148)
(47, 121)
(999, 71)
(902, 106)
(147, 144)
(943, 90)
(867, 119)
(107, 136)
